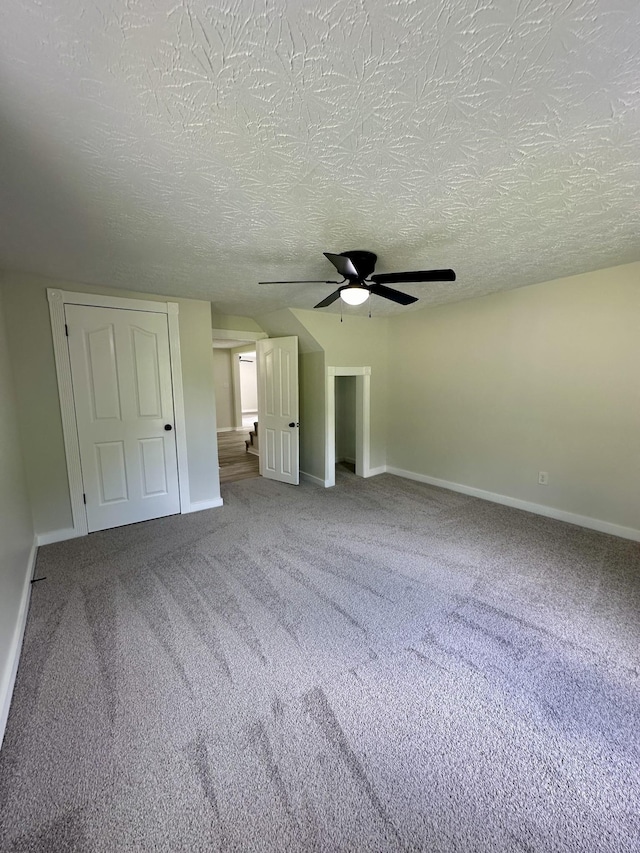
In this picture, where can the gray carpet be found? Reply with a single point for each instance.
(381, 666)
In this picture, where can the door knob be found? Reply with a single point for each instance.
(168, 427)
(292, 424)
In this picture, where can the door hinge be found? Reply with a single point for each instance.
(66, 330)
(84, 498)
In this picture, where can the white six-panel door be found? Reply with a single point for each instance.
(278, 428)
(121, 372)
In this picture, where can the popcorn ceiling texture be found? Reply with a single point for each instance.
(193, 148)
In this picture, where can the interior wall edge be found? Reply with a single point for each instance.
(49, 537)
(13, 656)
(375, 472)
(317, 481)
(198, 506)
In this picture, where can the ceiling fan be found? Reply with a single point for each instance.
(359, 281)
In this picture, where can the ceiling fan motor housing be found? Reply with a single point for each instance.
(364, 262)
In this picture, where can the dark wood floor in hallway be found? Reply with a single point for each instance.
(234, 461)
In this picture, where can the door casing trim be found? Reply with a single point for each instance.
(57, 300)
(363, 421)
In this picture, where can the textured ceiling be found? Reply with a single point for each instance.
(193, 148)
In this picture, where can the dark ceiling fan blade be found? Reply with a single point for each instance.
(329, 300)
(418, 275)
(309, 281)
(344, 266)
(393, 295)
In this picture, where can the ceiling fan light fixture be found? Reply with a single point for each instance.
(356, 269)
(354, 294)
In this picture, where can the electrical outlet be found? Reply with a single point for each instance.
(543, 478)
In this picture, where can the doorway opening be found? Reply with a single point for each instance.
(236, 408)
(260, 385)
(345, 429)
(248, 388)
(348, 419)
(238, 452)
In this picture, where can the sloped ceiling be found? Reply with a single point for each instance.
(194, 148)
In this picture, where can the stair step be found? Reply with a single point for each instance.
(252, 442)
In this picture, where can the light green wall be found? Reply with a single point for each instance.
(311, 377)
(280, 324)
(16, 525)
(31, 354)
(484, 392)
(488, 392)
(233, 322)
(223, 386)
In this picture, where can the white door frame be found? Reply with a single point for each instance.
(57, 300)
(363, 421)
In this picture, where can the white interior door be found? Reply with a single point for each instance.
(121, 373)
(278, 427)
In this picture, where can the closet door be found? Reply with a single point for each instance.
(123, 395)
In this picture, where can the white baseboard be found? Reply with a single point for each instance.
(373, 472)
(52, 536)
(70, 533)
(317, 481)
(198, 506)
(528, 506)
(9, 679)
